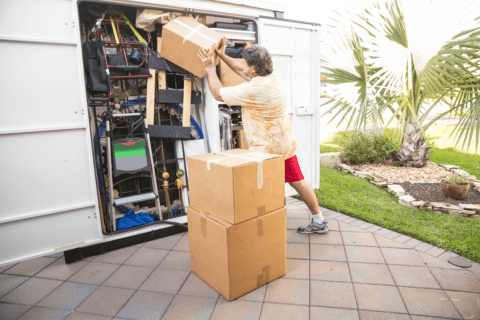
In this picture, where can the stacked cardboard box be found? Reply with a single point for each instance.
(237, 220)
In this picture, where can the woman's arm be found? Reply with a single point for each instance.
(239, 66)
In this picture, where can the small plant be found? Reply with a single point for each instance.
(456, 179)
(360, 147)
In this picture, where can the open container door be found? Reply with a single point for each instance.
(295, 50)
(47, 186)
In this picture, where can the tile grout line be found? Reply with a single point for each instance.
(393, 278)
(350, 274)
(443, 290)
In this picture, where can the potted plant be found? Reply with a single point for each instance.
(455, 186)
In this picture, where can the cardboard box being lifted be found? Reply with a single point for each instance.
(237, 185)
(228, 77)
(181, 40)
(236, 259)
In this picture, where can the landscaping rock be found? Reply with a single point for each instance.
(419, 203)
(429, 208)
(407, 204)
(473, 207)
(468, 212)
(407, 198)
(471, 178)
(476, 184)
(395, 188)
(433, 163)
(363, 174)
(343, 166)
(443, 205)
(461, 172)
(330, 159)
(449, 167)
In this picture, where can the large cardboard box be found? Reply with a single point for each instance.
(228, 77)
(181, 40)
(237, 185)
(236, 259)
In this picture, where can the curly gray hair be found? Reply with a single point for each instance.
(260, 58)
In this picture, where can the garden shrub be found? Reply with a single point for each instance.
(360, 147)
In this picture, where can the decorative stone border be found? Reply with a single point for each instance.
(466, 210)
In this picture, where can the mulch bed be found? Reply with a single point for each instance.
(431, 192)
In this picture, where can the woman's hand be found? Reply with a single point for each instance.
(207, 58)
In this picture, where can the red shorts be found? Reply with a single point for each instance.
(292, 170)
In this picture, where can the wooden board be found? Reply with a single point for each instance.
(151, 96)
(187, 99)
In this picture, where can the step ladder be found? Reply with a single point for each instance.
(129, 156)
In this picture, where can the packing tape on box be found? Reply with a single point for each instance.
(263, 278)
(203, 221)
(193, 31)
(261, 211)
(260, 227)
(249, 156)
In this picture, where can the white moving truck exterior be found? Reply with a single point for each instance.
(48, 189)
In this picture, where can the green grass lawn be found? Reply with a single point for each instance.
(359, 198)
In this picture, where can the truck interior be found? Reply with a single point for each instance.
(141, 174)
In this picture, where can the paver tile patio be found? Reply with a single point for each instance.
(146, 306)
(331, 237)
(433, 262)
(327, 252)
(332, 294)
(106, 301)
(176, 260)
(289, 291)
(12, 311)
(272, 311)
(461, 280)
(294, 237)
(195, 286)
(428, 302)
(9, 282)
(468, 304)
(190, 308)
(375, 315)
(379, 298)
(159, 282)
(236, 310)
(94, 273)
(30, 267)
(364, 254)
(31, 291)
(128, 277)
(329, 271)
(68, 296)
(116, 256)
(355, 271)
(298, 269)
(147, 257)
(387, 243)
(408, 257)
(320, 313)
(370, 273)
(298, 251)
(39, 313)
(359, 239)
(409, 276)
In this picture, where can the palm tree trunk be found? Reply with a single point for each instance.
(413, 151)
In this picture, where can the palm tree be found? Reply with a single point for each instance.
(407, 56)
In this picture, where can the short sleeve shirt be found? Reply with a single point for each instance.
(264, 114)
